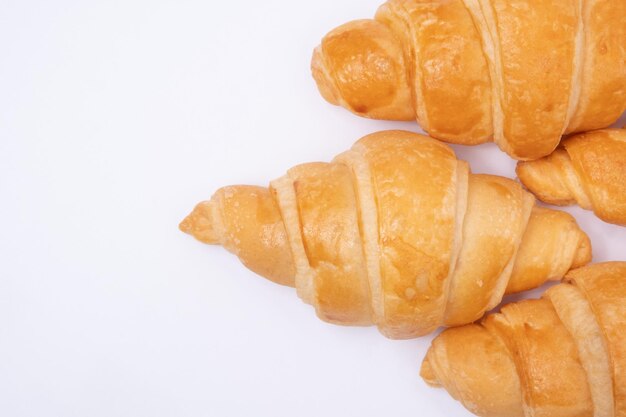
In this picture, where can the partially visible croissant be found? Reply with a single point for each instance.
(521, 73)
(395, 232)
(561, 356)
(588, 169)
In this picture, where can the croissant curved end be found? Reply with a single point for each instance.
(584, 254)
(360, 66)
(427, 373)
(199, 223)
(324, 83)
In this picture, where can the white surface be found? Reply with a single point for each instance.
(116, 117)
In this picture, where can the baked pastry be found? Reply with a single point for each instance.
(589, 169)
(470, 71)
(563, 355)
(394, 232)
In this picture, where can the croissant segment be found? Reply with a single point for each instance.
(562, 355)
(395, 232)
(588, 170)
(471, 71)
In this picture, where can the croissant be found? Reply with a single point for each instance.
(588, 169)
(563, 355)
(395, 232)
(520, 73)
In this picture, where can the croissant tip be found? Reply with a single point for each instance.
(185, 225)
(199, 224)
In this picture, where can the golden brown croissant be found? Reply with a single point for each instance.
(561, 356)
(521, 73)
(588, 169)
(394, 232)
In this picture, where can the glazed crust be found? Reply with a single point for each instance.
(394, 232)
(247, 222)
(521, 73)
(562, 355)
(488, 253)
(546, 250)
(535, 71)
(417, 227)
(605, 289)
(454, 105)
(589, 169)
(552, 380)
(487, 383)
(365, 82)
(603, 73)
(332, 242)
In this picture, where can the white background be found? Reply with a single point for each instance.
(116, 118)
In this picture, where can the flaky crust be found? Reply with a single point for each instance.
(546, 250)
(395, 232)
(333, 247)
(366, 82)
(488, 253)
(563, 355)
(521, 73)
(604, 287)
(588, 169)
(247, 222)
